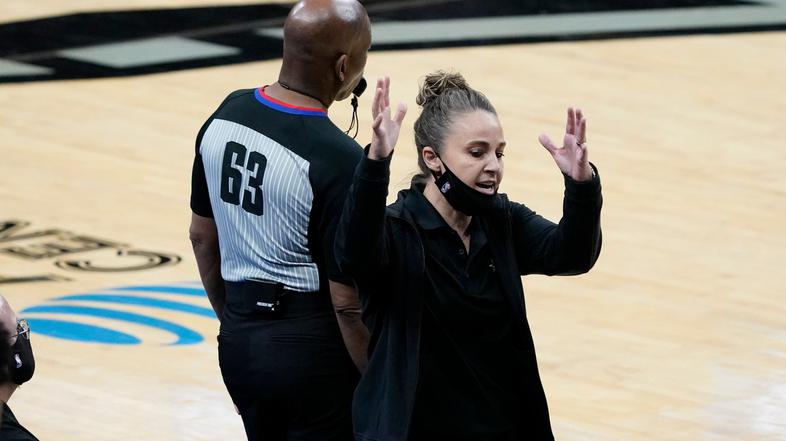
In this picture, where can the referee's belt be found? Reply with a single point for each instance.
(270, 297)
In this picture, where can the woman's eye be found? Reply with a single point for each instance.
(476, 153)
(500, 154)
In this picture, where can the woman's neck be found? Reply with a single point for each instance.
(454, 218)
(6, 390)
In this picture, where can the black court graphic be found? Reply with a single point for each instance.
(72, 251)
(122, 43)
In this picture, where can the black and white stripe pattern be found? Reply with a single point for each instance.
(274, 246)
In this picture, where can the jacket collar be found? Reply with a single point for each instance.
(425, 215)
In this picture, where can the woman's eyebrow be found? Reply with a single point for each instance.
(484, 143)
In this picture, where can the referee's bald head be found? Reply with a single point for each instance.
(319, 28)
(327, 36)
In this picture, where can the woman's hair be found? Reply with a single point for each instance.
(443, 95)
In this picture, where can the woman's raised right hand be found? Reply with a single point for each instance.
(386, 128)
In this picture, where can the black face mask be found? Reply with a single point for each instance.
(461, 196)
(21, 364)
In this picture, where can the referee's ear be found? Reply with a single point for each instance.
(341, 67)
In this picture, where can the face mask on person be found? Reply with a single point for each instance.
(21, 363)
(461, 196)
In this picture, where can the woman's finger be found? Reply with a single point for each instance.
(376, 105)
(545, 141)
(387, 91)
(401, 111)
(582, 132)
(570, 142)
(377, 121)
(570, 127)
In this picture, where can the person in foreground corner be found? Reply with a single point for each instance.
(17, 365)
(439, 271)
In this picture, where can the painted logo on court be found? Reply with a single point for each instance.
(116, 316)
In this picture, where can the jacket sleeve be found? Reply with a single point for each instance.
(360, 245)
(570, 247)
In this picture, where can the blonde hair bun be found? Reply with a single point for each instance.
(437, 83)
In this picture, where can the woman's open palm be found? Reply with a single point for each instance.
(572, 158)
(386, 128)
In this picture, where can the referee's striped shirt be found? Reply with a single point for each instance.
(274, 177)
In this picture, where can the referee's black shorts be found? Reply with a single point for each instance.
(288, 372)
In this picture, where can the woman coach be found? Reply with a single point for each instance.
(438, 271)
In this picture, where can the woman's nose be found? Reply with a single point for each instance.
(493, 165)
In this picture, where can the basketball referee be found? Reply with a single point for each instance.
(269, 181)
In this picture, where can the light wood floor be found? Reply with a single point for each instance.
(679, 332)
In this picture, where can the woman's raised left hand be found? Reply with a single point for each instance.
(572, 158)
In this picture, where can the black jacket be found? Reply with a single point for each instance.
(11, 430)
(382, 251)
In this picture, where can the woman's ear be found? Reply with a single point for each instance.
(432, 160)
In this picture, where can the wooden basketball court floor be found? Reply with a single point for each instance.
(678, 333)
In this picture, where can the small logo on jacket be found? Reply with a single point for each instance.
(445, 187)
